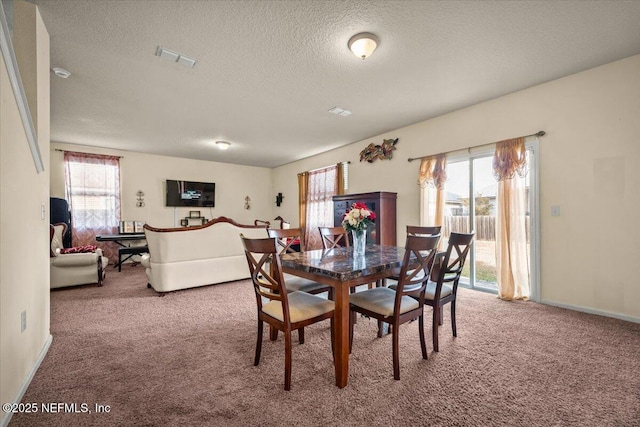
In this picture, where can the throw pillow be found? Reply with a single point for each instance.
(79, 249)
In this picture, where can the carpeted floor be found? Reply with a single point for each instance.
(187, 359)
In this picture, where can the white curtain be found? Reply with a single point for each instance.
(432, 178)
(93, 192)
(510, 168)
(323, 185)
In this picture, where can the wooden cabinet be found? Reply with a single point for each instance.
(380, 202)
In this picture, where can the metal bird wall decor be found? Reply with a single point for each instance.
(384, 151)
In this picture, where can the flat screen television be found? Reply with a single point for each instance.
(190, 193)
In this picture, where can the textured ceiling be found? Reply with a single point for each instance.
(267, 72)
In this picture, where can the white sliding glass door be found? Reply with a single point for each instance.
(470, 205)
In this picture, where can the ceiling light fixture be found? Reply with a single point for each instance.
(223, 145)
(61, 72)
(362, 45)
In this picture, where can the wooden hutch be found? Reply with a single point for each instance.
(382, 203)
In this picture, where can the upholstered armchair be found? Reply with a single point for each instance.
(74, 266)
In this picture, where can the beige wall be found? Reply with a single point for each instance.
(24, 242)
(149, 172)
(588, 164)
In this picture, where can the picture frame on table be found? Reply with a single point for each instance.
(194, 214)
(138, 226)
(193, 221)
(127, 227)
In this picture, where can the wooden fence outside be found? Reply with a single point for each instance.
(485, 226)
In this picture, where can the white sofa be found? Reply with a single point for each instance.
(188, 257)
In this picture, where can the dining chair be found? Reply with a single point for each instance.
(284, 311)
(397, 307)
(446, 272)
(412, 230)
(445, 289)
(291, 240)
(334, 237)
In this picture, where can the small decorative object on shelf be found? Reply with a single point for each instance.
(194, 218)
(127, 227)
(138, 226)
(356, 220)
(382, 152)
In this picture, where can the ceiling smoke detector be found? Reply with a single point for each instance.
(61, 72)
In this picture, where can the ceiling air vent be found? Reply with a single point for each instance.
(176, 57)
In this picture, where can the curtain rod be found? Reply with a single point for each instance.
(82, 152)
(538, 134)
(317, 169)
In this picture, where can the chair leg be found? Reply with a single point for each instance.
(287, 360)
(396, 352)
(453, 318)
(258, 343)
(441, 311)
(423, 344)
(436, 316)
(301, 335)
(273, 333)
(380, 328)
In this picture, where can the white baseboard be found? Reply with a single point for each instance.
(45, 348)
(593, 311)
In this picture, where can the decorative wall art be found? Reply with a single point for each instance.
(279, 198)
(140, 201)
(382, 152)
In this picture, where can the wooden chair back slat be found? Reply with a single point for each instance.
(414, 230)
(334, 237)
(266, 269)
(285, 238)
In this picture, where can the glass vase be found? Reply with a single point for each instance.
(359, 241)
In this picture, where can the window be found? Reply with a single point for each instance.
(316, 191)
(93, 192)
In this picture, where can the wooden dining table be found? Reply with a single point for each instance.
(340, 269)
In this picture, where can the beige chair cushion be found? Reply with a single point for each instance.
(300, 284)
(430, 292)
(381, 301)
(302, 306)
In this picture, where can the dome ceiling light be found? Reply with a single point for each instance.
(61, 72)
(363, 44)
(223, 145)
